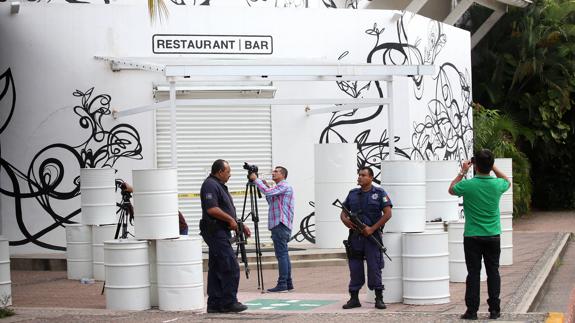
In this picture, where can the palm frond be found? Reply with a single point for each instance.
(157, 10)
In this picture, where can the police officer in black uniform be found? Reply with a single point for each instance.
(373, 207)
(218, 218)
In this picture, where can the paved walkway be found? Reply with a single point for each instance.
(50, 297)
(559, 293)
(561, 284)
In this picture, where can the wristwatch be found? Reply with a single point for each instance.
(461, 174)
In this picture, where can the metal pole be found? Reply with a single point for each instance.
(173, 130)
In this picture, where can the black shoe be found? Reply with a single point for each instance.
(213, 310)
(379, 304)
(234, 308)
(494, 315)
(468, 316)
(278, 289)
(353, 301)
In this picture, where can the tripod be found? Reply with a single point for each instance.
(252, 190)
(126, 212)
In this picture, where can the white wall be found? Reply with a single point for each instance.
(49, 49)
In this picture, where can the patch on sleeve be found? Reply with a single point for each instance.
(385, 199)
(209, 196)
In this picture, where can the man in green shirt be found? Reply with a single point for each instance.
(481, 195)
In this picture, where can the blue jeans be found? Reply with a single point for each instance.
(280, 236)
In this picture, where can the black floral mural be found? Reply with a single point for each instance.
(47, 180)
(444, 134)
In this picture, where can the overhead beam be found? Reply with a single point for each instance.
(265, 70)
(118, 64)
(254, 102)
(493, 5)
(458, 11)
(296, 72)
(415, 5)
(341, 107)
(517, 3)
(485, 27)
(117, 114)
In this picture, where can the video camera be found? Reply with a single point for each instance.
(126, 194)
(252, 169)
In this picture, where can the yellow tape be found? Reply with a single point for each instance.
(555, 317)
(194, 195)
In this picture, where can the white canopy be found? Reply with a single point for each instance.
(246, 71)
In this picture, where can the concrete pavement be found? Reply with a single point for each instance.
(47, 296)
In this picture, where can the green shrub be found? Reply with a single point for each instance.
(525, 67)
(5, 312)
(499, 133)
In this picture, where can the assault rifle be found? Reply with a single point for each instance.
(359, 226)
(240, 240)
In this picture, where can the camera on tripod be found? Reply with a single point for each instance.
(252, 192)
(252, 169)
(126, 194)
(126, 210)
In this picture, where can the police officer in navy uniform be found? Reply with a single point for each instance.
(373, 207)
(218, 218)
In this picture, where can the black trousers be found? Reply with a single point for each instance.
(488, 248)
(223, 270)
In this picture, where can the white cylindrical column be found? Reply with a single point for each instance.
(425, 268)
(79, 251)
(506, 258)
(5, 282)
(153, 273)
(439, 203)
(180, 275)
(506, 166)
(100, 233)
(127, 275)
(335, 176)
(392, 273)
(457, 266)
(506, 210)
(98, 196)
(404, 181)
(156, 203)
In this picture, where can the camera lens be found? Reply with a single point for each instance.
(250, 168)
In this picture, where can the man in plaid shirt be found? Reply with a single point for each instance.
(280, 218)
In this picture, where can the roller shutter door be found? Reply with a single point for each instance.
(236, 134)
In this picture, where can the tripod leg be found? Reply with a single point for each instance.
(254, 206)
(245, 199)
(125, 226)
(253, 202)
(119, 225)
